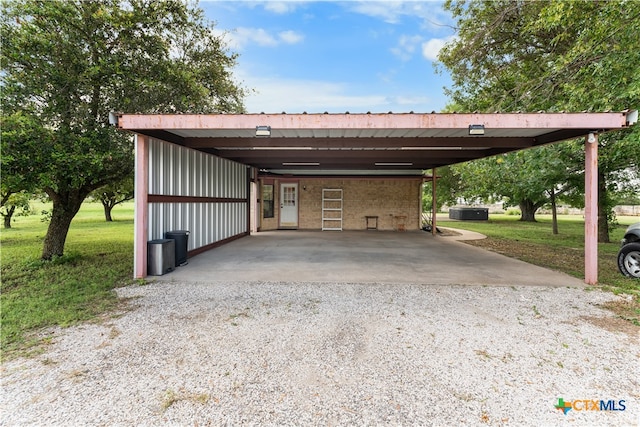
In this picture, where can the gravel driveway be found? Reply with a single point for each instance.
(252, 353)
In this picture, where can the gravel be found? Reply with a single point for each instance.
(250, 353)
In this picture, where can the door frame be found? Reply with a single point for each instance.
(280, 203)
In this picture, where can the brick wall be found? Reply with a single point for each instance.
(387, 198)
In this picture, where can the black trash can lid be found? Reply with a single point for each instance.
(158, 241)
(178, 232)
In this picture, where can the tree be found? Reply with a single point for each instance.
(528, 179)
(67, 64)
(113, 194)
(20, 135)
(11, 202)
(448, 185)
(553, 56)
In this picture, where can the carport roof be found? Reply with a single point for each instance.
(371, 143)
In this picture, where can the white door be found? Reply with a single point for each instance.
(288, 205)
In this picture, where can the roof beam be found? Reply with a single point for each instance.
(513, 142)
(347, 155)
(593, 121)
(326, 159)
(161, 134)
(563, 135)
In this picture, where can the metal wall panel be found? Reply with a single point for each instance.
(178, 171)
(206, 222)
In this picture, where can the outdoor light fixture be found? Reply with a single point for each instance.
(263, 130)
(476, 129)
(591, 138)
(113, 118)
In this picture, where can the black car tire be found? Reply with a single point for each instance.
(629, 260)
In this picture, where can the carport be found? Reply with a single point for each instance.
(199, 172)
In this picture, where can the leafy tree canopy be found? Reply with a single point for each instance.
(113, 194)
(67, 64)
(552, 56)
(544, 55)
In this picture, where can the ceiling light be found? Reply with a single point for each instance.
(431, 148)
(282, 148)
(300, 164)
(393, 164)
(263, 131)
(476, 129)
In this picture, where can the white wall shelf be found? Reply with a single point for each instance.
(332, 209)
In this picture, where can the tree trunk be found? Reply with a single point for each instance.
(65, 207)
(527, 210)
(603, 207)
(7, 217)
(107, 212)
(108, 200)
(554, 211)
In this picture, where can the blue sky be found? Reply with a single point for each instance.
(318, 56)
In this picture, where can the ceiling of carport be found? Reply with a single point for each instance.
(366, 142)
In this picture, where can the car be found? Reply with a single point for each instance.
(629, 253)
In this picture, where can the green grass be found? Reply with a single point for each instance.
(535, 243)
(73, 288)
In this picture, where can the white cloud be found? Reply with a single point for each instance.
(406, 47)
(290, 37)
(430, 12)
(258, 35)
(281, 7)
(388, 11)
(411, 100)
(431, 48)
(277, 94)
(272, 6)
(240, 37)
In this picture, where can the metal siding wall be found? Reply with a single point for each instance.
(219, 221)
(180, 171)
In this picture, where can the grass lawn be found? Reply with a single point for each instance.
(535, 243)
(76, 287)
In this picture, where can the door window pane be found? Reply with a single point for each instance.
(289, 196)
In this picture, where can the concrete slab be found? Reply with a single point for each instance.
(361, 257)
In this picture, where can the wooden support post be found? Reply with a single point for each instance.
(141, 206)
(591, 210)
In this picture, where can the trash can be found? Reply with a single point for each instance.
(161, 257)
(181, 238)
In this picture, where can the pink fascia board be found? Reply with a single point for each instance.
(594, 121)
